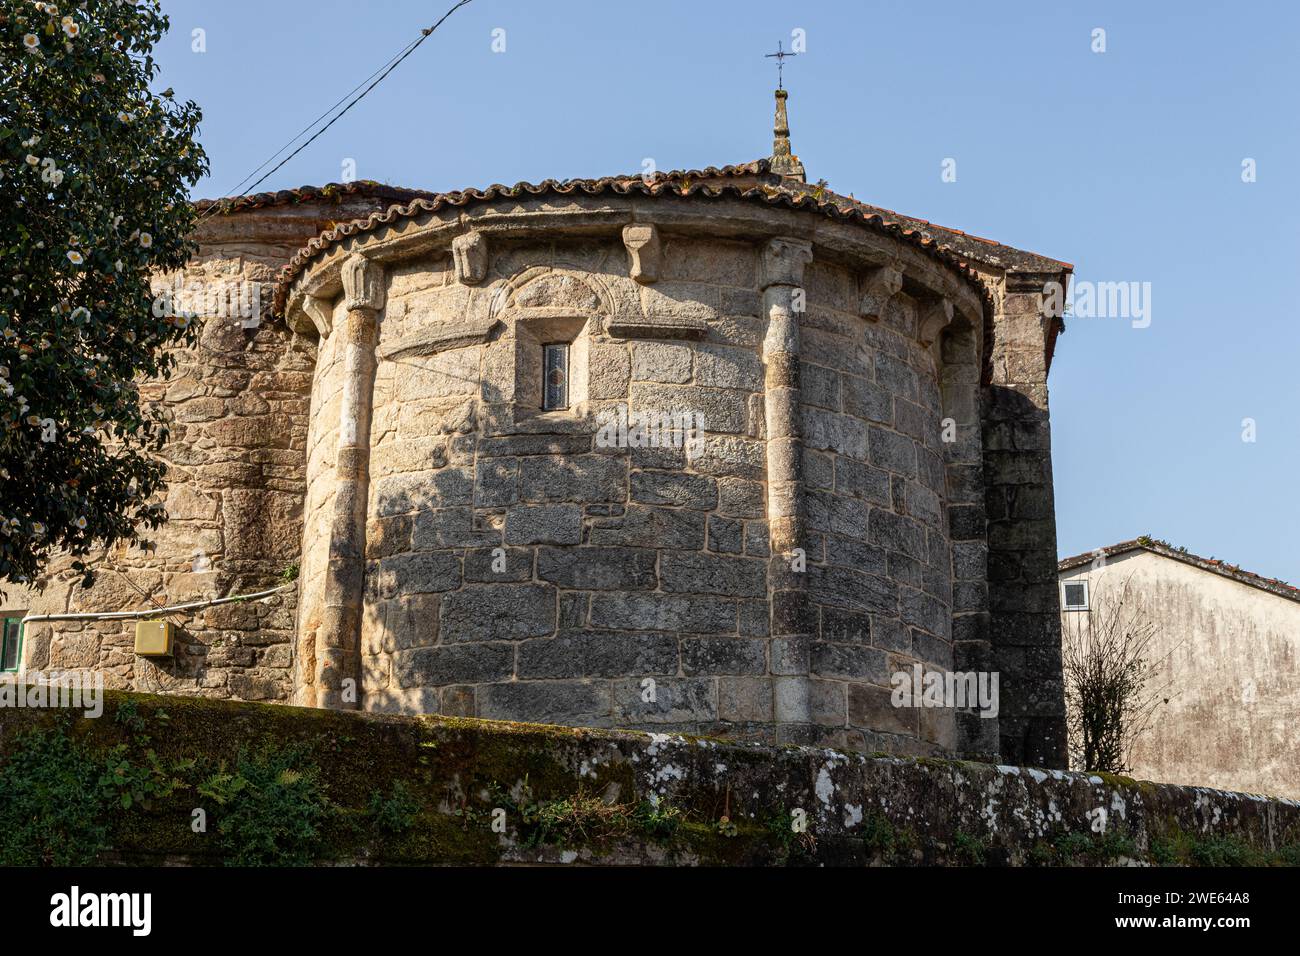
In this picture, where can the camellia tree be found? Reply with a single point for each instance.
(94, 171)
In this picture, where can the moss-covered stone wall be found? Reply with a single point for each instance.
(168, 779)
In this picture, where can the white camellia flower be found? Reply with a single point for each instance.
(146, 240)
(75, 257)
(33, 160)
(31, 41)
(80, 523)
(70, 27)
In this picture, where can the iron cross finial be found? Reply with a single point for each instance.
(780, 55)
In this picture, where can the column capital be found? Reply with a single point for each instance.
(363, 284)
(784, 260)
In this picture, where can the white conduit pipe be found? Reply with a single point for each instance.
(155, 611)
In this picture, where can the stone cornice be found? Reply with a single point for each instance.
(606, 205)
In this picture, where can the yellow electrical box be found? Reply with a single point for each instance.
(153, 638)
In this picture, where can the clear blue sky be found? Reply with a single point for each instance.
(1126, 163)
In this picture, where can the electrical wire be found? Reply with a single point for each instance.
(382, 72)
(152, 612)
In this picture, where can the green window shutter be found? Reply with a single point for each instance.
(11, 646)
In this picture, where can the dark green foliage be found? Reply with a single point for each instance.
(63, 801)
(54, 799)
(1224, 851)
(94, 175)
(58, 796)
(969, 850)
(1079, 849)
(793, 844)
(886, 841)
(395, 813)
(272, 809)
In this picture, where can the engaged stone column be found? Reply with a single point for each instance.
(1024, 608)
(338, 641)
(783, 267)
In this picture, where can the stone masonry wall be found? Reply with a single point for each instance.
(1024, 603)
(237, 404)
(622, 565)
(506, 564)
(881, 578)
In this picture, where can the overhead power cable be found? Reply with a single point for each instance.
(239, 189)
(377, 77)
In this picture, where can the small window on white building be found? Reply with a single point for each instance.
(1074, 596)
(555, 369)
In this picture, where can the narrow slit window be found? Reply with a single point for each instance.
(1074, 596)
(555, 372)
(11, 644)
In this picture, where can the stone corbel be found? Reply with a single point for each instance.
(642, 242)
(470, 254)
(784, 260)
(295, 317)
(933, 316)
(318, 310)
(881, 285)
(363, 284)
